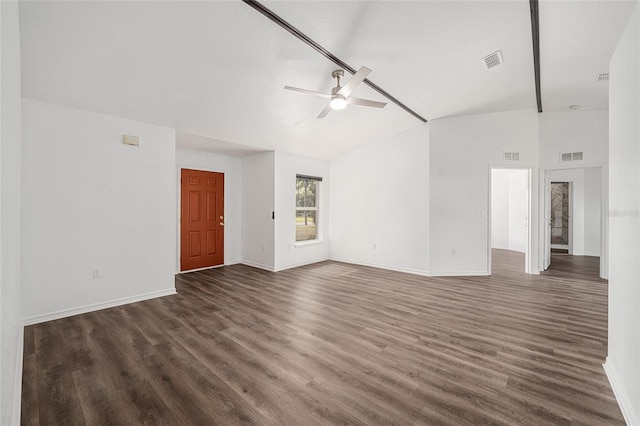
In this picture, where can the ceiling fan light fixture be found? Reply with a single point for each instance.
(338, 102)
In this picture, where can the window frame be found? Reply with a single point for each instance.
(316, 208)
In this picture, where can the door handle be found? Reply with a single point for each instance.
(221, 223)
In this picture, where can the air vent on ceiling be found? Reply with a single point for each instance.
(511, 156)
(493, 60)
(571, 156)
(603, 76)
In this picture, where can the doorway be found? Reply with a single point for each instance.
(510, 202)
(201, 219)
(574, 219)
(560, 216)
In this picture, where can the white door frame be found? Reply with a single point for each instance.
(544, 220)
(179, 167)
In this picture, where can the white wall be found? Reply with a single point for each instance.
(509, 209)
(288, 254)
(232, 169)
(462, 151)
(623, 360)
(11, 339)
(573, 131)
(90, 201)
(592, 210)
(379, 203)
(258, 203)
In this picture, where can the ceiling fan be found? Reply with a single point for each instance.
(341, 95)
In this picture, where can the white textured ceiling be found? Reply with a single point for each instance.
(215, 70)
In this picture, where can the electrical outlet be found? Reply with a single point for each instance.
(453, 252)
(373, 246)
(97, 273)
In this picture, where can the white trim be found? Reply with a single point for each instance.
(201, 269)
(97, 306)
(460, 274)
(306, 262)
(235, 262)
(17, 380)
(299, 244)
(258, 265)
(411, 270)
(379, 266)
(624, 402)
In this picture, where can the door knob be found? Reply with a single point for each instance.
(221, 223)
(221, 217)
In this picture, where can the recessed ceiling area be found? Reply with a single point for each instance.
(217, 69)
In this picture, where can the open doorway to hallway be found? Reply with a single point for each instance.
(510, 212)
(560, 221)
(574, 220)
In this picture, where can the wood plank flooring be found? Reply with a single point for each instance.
(334, 343)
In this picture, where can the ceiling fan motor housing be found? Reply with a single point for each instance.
(337, 74)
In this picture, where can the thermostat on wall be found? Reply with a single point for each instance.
(131, 140)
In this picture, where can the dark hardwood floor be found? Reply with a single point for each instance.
(334, 343)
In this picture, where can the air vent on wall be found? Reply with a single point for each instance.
(603, 76)
(571, 156)
(493, 60)
(511, 156)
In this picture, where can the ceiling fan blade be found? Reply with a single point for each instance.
(365, 102)
(325, 111)
(357, 78)
(308, 92)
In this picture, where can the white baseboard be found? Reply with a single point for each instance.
(258, 265)
(381, 266)
(296, 265)
(626, 406)
(200, 269)
(412, 271)
(96, 306)
(17, 380)
(460, 274)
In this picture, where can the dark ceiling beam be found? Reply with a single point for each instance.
(535, 34)
(333, 58)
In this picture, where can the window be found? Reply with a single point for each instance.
(307, 213)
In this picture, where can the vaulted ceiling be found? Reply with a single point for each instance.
(215, 70)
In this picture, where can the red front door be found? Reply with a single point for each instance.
(201, 219)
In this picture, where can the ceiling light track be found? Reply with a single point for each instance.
(333, 58)
(535, 35)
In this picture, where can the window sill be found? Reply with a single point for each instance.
(308, 243)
